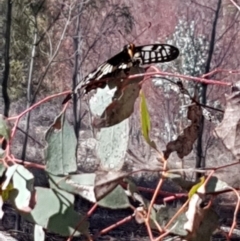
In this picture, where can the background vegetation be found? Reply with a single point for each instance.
(184, 125)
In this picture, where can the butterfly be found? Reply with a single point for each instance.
(129, 57)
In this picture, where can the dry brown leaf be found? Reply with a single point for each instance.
(229, 129)
(202, 221)
(123, 101)
(120, 109)
(184, 143)
(195, 213)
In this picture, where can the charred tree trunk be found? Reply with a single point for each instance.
(203, 95)
(6, 24)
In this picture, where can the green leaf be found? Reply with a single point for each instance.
(4, 128)
(106, 182)
(145, 121)
(2, 172)
(23, 186)
(8, 176)
(112, 141)
(85, 185)
(117, 199)
(60, 153)
(180, 180)
(165, 213)
(112, 146)
(215, 185)
(2, 153)
(196, 186)
(80, 184)
(54, 210)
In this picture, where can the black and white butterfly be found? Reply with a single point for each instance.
(130, 56)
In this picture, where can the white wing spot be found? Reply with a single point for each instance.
(153, 55)
(124, 66)
(147, 48)
(164, 53)
(147, 55)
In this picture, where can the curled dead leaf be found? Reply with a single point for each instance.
(140, 214)
(122, 106)
(184, 143)
(120, 109)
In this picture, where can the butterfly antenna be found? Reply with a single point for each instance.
(124, 36)
(144, 30)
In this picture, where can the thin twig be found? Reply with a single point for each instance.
(235, 4)
(54, 55)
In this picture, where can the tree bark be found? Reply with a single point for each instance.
(200, 162)
(7, 6)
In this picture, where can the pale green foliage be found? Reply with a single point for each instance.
(22, 33)
(21, 36)
(22, 30)
(4, 128)
(17, 79)
(60, 152)
(145, 121)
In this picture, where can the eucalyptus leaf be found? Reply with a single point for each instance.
(60, 153)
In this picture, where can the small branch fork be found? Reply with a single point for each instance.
(164, 231)
(10, 158)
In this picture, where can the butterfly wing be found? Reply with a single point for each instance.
(110, 68)
(155, 53)
(123, 61)
(117, 63)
